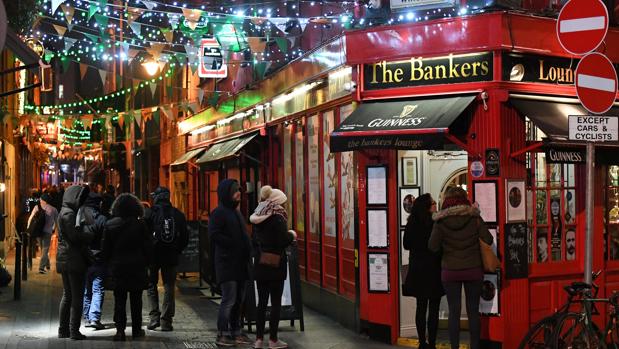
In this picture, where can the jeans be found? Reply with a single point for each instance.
(168, 277)
(45, 241)
(94, 293)
(432, 319)
(71, 302)
(472, 291)
(229, 316)
(275, 290)
(120, 309)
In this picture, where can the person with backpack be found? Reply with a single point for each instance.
(170, 237)
(41, 226)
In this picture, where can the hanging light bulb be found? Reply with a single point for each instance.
(151, 67)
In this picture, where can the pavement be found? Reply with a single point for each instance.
(32, 322)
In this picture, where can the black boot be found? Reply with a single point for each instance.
(137, 333)
(63, 333)
(153, 324)
(77, 336)
(120, 335)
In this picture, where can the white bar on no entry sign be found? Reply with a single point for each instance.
(595, 82)
(582, 24)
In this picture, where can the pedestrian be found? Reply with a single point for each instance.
(72, 260)
(169, 233)
(423, 280)
(228, 233)
(94, 293)
(46, 230)
(127, 249)
(108, 199)
(457, 230)
(270, 239)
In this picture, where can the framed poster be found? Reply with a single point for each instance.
(378, 272)
(377, 185)
(516, 249)
(514, 194)
(485, 195)
(406, 198)
(378, 235)
(409, 171)
(489, 299)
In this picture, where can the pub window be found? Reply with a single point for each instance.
(551, 195)
(612, 213)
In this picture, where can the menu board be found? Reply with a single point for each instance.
(516, 251)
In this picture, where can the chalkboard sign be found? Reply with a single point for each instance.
(189, 259)
(516, 251)
(292, 304)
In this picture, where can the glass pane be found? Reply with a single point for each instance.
(568, 175)
(613, 175)
(288, 171)
(555, 175)
(330, 177)
(542, 245)
(570, 207)
(556, 238)
(313, 128)
(540, 168)
(540, 207)
(300, 188)
(614, 241)
(530, 206)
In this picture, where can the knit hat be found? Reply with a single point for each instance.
(278, 197)
(265, 192)
(47, 198)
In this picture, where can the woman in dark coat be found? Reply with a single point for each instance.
(423, 280)
(270, 235)
(72, 260)
(127, 249)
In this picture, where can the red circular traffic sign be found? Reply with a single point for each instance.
(582, 25)
(596, 83)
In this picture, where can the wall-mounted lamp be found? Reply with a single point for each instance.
(2, 187)
(151, 67)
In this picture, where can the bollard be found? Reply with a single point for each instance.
(17, 279)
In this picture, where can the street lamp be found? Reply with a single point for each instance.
(151, 67)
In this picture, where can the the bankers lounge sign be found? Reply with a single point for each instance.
(420, 71)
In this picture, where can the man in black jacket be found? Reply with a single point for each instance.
(169, 230)
(228, 233)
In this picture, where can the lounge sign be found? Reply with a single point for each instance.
(420, 71)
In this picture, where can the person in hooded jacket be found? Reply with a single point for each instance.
(232, 246)
(423, 280)
(165, 258)
(127, 249)
(270, 235)
(72, 260)
(94, 294)
(457, 230)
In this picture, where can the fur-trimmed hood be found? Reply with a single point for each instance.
(456, 217)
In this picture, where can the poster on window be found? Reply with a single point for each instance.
(300, 188)
(347, 180)
(288, 171)
(489, 299)
(378, 270)
(313, 128)
(330, 176)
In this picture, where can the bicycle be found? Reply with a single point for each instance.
(541, 334)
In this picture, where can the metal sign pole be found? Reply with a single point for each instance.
(589, 213)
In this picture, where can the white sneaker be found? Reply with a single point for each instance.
(280, 344)
(258, 344)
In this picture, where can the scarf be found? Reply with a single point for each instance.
(265, 210)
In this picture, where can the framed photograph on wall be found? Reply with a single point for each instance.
(406, 198)
(516, 201)
(490, 292)
(378, 272)
(377, 185)
(485, 195)
(378, 228)
(409, 171)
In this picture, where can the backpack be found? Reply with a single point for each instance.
(164, 225)
(35, 228)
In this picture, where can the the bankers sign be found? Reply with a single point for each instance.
(592, 128)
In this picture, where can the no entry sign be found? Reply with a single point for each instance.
(596, 83)
(582, 25)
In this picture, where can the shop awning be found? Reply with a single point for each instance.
(551, 114)
(404, 124)
(225, 149)
(22, 51)
(188, 156)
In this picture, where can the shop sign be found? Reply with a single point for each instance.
(593, 128)
(477, 169)
(421, 4)
(212, 63)
(420, 71)
(492, 162)
(564, 155)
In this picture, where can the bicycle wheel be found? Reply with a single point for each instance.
(572, 332)
(539, 336)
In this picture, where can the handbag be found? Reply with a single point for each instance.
(269, 259)
(489, 259)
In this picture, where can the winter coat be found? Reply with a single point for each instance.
(424, 266)
(73, 254)
(127, 245)
(167, 254)
(456, 233)
(271, 236)
(228, 235)
(97, 226)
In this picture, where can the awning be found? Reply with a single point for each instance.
(22, 51)
(225, 149)
(188, 156)
(550, 114)
(405, 124)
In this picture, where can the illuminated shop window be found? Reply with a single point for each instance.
(611, 218)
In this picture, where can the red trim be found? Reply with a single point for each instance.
(533, 147)
(417, 131)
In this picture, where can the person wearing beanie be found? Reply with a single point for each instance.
(457, 229)
(232, 251)
(51, 214)
(270, 236)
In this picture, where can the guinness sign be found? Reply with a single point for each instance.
(420, 71)
(565, 155)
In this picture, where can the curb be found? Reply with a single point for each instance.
(414, 343)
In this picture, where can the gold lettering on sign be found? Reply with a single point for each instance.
(555, 74)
